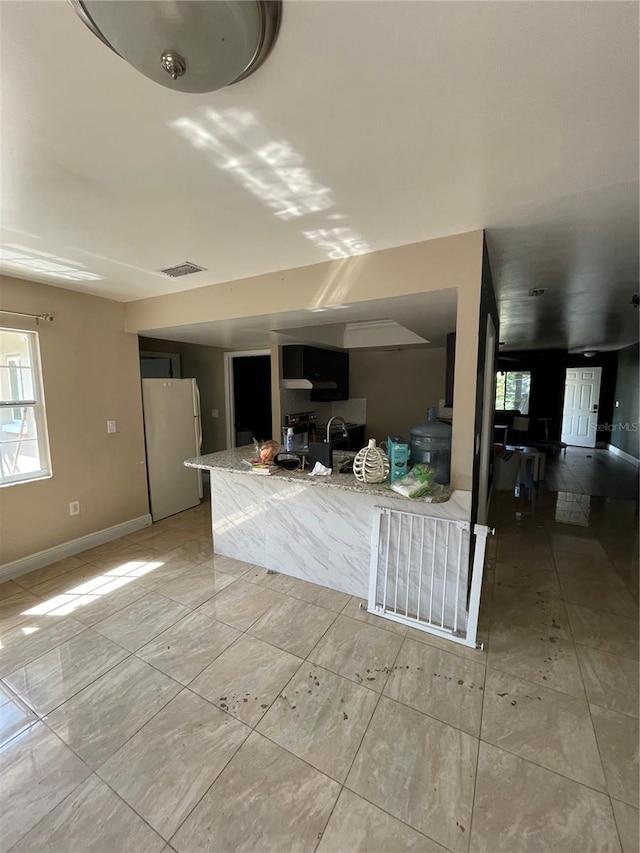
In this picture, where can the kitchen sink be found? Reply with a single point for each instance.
(343, 461)
(340, 458)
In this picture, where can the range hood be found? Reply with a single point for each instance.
(323, 372)
(308, 385)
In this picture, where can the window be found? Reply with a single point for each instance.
(512, 390)
(24, 448)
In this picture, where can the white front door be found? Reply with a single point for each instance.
(581, 398)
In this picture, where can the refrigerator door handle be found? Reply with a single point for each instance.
(196, 399)
(198, 413)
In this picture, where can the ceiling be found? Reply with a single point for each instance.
(429, 316)
(370, 125)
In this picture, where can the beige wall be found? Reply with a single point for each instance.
(398, 385)
(206, 366)
(417, 268)
(90, 372)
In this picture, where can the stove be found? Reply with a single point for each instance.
(298, 419)
(304, 429)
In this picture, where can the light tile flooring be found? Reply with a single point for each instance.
(591, 472)
(156, 698)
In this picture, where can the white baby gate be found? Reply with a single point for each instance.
(420, 573)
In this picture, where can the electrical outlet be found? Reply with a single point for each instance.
(74, 508)
(215, 413)
(112, 426)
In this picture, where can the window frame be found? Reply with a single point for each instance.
(37, 405)
(501, 376)
(15, 361)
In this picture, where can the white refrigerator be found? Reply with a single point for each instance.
(173, 433)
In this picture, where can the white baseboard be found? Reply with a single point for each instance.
(626, 456)
(74, 546)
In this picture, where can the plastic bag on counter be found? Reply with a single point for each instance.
(266, 450)
(419, 483)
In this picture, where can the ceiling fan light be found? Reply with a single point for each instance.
(195, 46)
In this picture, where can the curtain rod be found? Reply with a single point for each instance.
(48, 318)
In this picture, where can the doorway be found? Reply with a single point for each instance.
(248, 390)
(160, 365)
(581, 401)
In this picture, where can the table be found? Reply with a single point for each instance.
(504, 427)
(537, 457)
(550, 446)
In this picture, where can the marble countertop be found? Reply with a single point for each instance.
(232, 461)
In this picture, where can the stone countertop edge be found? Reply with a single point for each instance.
(231, 461)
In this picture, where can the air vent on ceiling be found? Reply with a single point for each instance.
(538, 291)
(186, 268)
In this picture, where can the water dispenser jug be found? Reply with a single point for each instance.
(431, 443)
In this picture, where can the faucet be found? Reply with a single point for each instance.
(345, 431)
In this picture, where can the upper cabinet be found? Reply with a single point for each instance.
(322, 371)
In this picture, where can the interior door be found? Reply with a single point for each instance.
(581, 399)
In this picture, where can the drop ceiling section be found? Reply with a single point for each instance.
(418, 320)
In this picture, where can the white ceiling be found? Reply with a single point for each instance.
(428, 315)
(371, 125)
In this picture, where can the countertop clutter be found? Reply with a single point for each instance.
(233, 461)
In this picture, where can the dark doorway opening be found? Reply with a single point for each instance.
(251, 398)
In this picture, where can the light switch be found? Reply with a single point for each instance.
(112, 426)
(215, 413)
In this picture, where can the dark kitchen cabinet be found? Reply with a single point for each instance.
(318, 366)
(335, 366)
(301, 362)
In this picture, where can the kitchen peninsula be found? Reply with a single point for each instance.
(317, 529)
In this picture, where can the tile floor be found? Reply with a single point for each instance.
(593, 472)
(156, 698)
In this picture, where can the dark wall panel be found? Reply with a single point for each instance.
(624, 433)
(488, 308)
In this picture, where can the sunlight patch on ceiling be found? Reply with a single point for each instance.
(269, 169)
(272, 171)
(24, 259)
(338, 242)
